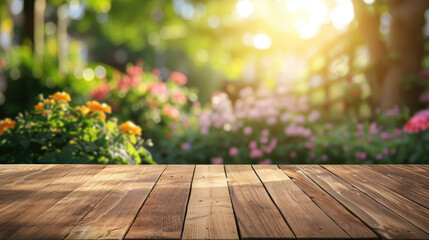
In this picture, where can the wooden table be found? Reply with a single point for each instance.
(214, 201)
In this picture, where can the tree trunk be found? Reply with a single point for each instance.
(29, 19)
(401, 59)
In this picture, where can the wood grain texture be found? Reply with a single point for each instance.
(256, 214)
(304, 217)
(163, 213)
(20, 214)
(364, 181)
(401, 182)
(113, 215)
(21, 189)
(14, 176)
(348, 222)
(385, 222)
(58, 220)
(210, 214)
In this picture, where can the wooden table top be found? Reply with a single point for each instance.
(214, 201)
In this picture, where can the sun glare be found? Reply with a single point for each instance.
(262, 41)
(342, 14)
(244, 8)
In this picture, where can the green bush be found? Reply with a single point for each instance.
(55, 132)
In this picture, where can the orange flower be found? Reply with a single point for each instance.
(39, 106)
(83, 109)
(5, 124)
(101, 116)
(131, 128)
(98, 107)
(61, 96)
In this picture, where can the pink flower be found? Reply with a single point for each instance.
(419, 122)
(253, 145)
(265, 133)
(263, 140)
(284, 117)
(324, 157)
(424, 98)
(385, 151)
(345, 149)
(312, 155)
(171, 112)
(255, 153)
(204, 131)
(309, 145)
(273, 143)
(100, 93)
(393, 151)
(386, 136)
(179, 78)
(159, 90)
(178, 97)
(265, 162)
(345, 133)
(271, 121)
(233, 151)
(299, 119)
(360, 155)
(156, 72)
(373, 128)
(379, 156)
(247, 130)
(314, 115)
(134, 71)
(292, 155)
(124, 83)
(398, 132)
(217, 160)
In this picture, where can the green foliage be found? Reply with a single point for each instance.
(58, 133)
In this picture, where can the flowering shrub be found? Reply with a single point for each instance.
(270, 127)
(55, 132)
(166, 110)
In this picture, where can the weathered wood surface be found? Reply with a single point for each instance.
(214, 201)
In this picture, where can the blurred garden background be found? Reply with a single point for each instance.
(208, 81)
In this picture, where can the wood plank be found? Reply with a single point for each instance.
(304, 217)
(13, 176)
(19, 215)
(403, 175)
(210, 214)
(382, 220)
(362, 180)
(57, 221)
(348, 222)
(416, 173)
(21, 189)
(256, 214)
(112, 216)
(163, 213)
(400, 183)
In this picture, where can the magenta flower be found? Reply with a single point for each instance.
(385, 151)
(217, 160)
(253, 145)
(379, 156)
(233, 151)
(293, 155)
(386, 136)
(424, 98)
(263, 140)
(309, 145)
(265, 162)
(324, 157)
(398, 132)
(373, 128)
(255, 153)
(360, 155)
